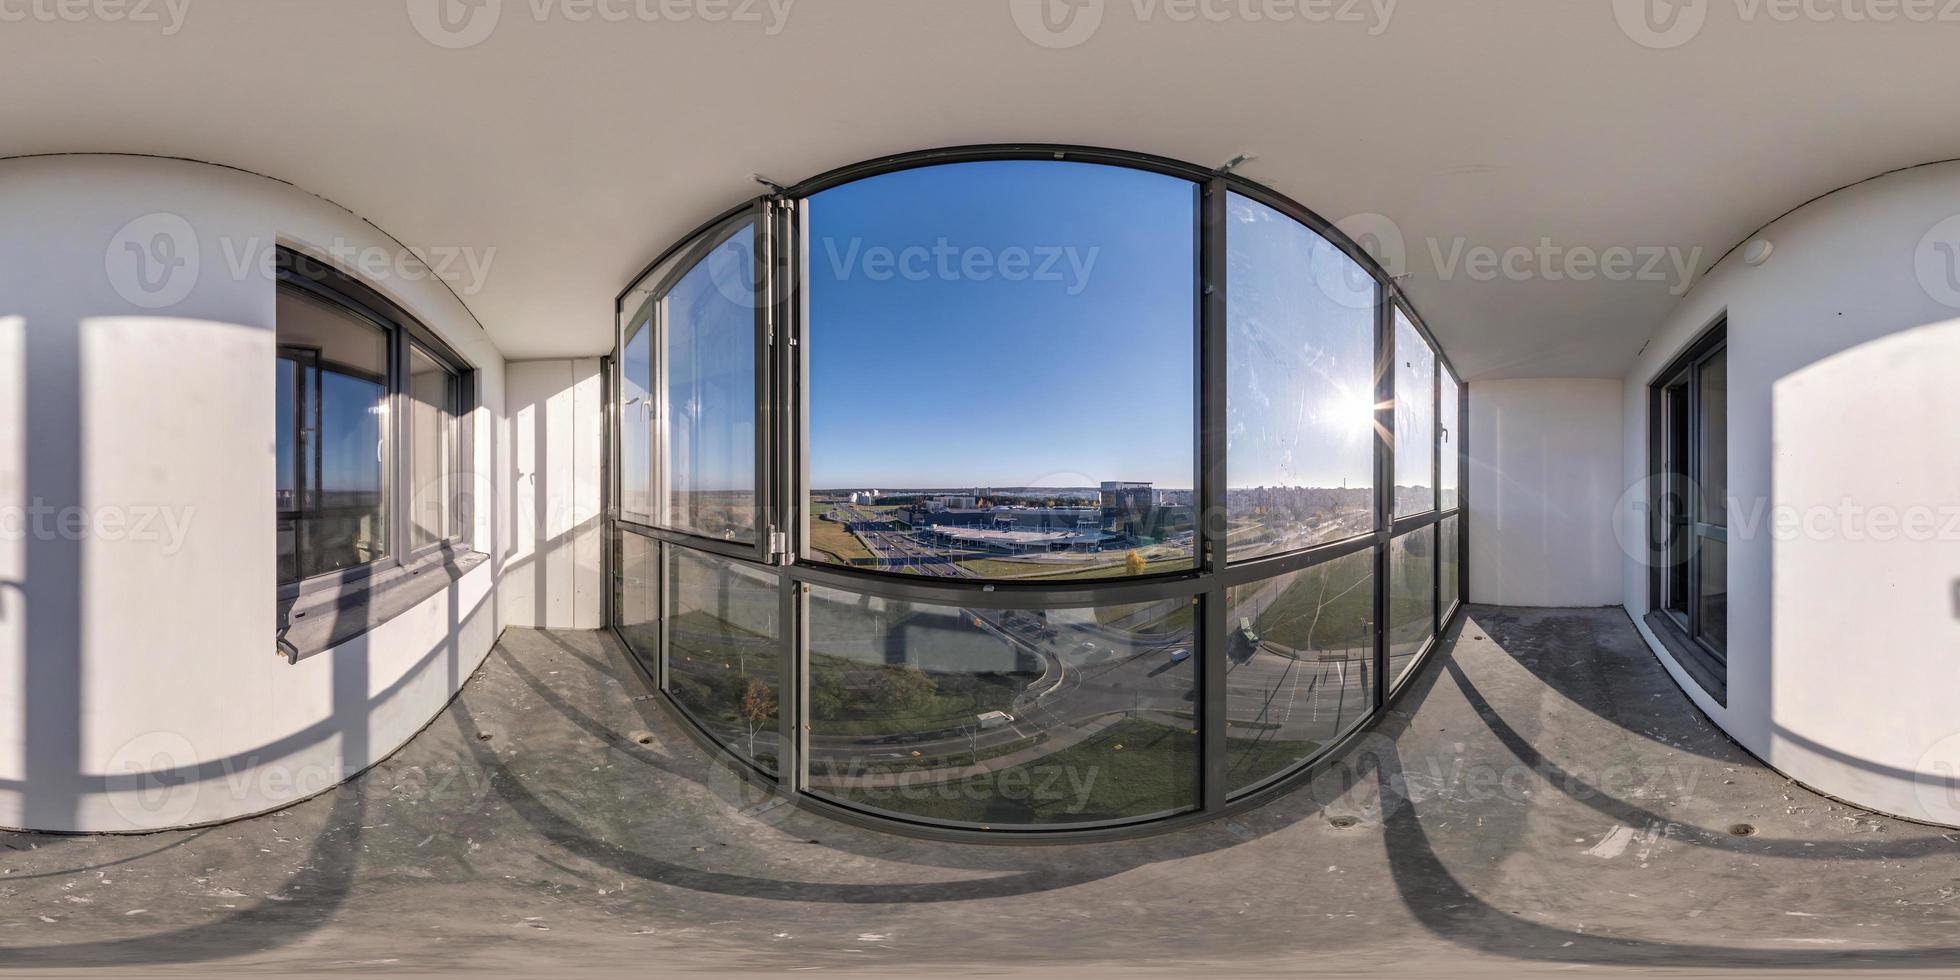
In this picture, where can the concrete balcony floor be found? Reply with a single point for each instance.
(1544, 798)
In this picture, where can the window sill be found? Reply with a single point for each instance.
(1708, 672)
(321, 620)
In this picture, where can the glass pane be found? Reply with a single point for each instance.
(1712, 604)
(432, 396)
(1411, 598)
(1003, 718)
(1713, 430)
(1415, 420)
(348, 525)
(1452, 444)
(1002, 370)
(709, 370)
(1677, 513)
(636, 421)
(723, 662)
(1300, 399)
(1449, 591)
(1301, 651)
(285, 453)
(633, 606)
(338, 370)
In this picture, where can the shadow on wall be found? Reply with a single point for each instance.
(551, 576)
(1863, 534)
(140, 636)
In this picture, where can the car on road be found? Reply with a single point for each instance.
(1088, 647)
(1180, 656)
(995, 719)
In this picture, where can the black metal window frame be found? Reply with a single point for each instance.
(1680, 634)
(323, 282)
(782, 479)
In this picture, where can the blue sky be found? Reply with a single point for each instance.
(1300, 366)
(1015, 323)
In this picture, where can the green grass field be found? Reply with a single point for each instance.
(838, 542)
(1326, 607)
(1132, 768)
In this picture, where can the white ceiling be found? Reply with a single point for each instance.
(578, 150)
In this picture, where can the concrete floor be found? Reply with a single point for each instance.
(1543, 798)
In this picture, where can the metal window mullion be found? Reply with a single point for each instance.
(1384, 477)
(1213, 525)
(1436, 493)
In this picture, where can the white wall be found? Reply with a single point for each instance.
(136, 639)
(551, 574)
(1844, 391)
(1544, 475)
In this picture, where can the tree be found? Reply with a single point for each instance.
(757, 707)
(900, 689)
(1135, 563)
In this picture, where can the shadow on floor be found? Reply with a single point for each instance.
(1541, 794)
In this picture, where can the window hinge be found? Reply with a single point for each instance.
(778, 543)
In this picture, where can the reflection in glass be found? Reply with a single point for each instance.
(1001, 362)
(1003, 717)
(331, 436)
(723, 663)
(709, 405)
(1300, 398)
(1415, 420)
(1411, 598)
(433, 397)
(1449, 592)
(636, 419)
(634, 611)
(1452, 442)
(1301, 657)
(1712, 612)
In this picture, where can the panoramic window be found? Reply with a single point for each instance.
(1300, 665)
(1451, 440)
(435, 449)
(1001, 361)
(1690, 420)
(1411, 599)
(331, 446)
(723, 663)
(369, 443)
(1300, 404)
(984, 437)
(1415, 420)
(1449, 589)
(1000, 717)
(707, 374)
(635, 414)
